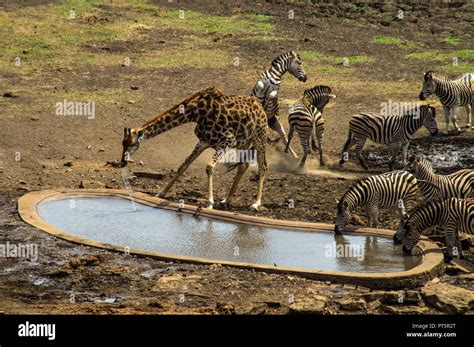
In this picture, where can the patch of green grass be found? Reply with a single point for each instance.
(460, 68)
(391, 40)
(204, 23)
(387, 40)
(451, 40)
(258, 16)
(322, 57)
(466, 53)
(434, 55)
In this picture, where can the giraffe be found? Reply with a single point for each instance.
(223, 122)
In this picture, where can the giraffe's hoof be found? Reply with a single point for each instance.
(255, 207)
(223, 204)
(210, 206)
(161, 195)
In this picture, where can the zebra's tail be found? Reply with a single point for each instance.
(345, 148)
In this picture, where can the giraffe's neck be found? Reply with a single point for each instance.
(168, 120)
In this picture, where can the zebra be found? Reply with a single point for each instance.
(394, 130)
(266, 88)
(391, 189)
(451, 93)
(306, 118)
(452, 215)
(459, 184)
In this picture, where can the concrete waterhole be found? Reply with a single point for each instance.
(145, 225)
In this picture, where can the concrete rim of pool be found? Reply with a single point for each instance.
(431, 264)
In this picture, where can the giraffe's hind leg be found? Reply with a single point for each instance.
(262, 170)
(240, 172)
(220, 152)
(198, 149)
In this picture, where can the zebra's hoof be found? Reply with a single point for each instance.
(467, 125)
(223, 204)
(161, 195)
(341, 162)
(322, 163)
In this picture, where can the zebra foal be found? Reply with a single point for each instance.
(306, 118)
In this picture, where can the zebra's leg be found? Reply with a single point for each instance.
(453, 119)
(360, 142)
(472, 111)
(345, 150)
(446, 119)
(395, 150)
(274, 124)
(200, 147)
(450, 236)
(375, 216)
(468, 115)
(290, 137)
(320, 149)
(304, 139)
(404, 154)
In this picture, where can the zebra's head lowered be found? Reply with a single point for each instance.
(290, 62)
(318, 96)
(408, 234)
(428, 85)
(130, 143)
(428, 114)
(343, 216)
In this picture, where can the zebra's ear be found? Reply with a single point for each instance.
(126, 131)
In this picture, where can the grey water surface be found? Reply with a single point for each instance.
(122, 223)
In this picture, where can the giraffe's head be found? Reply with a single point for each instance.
(131, 142)
(428, 85)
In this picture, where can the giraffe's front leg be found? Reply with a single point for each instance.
(198, 149)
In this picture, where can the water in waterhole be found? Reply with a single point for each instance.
(119, 222)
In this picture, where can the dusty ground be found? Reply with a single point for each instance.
(82, 59)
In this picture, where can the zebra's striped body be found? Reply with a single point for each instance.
(393, 130)
(451, 93)
(456, 185)
(306, 119)
(392, 189)
(453, 215)
(267, 87)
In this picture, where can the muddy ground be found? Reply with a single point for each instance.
(40, 150)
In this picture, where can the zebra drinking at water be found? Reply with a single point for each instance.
(306, 118)
(394, 130)
(456, 185)
(453, 216)
(266, 88)
(451, 93)
(392, 189)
